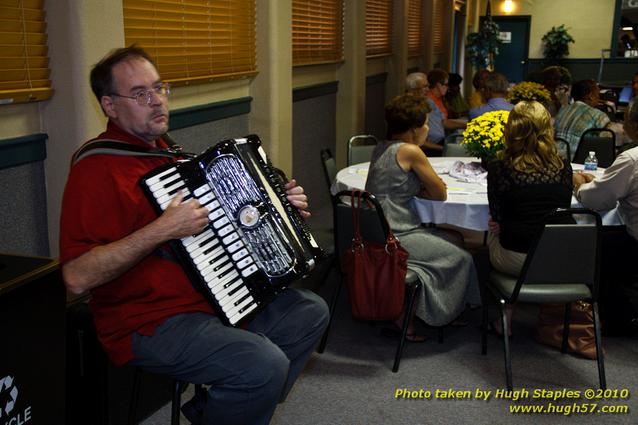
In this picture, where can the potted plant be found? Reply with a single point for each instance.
(482, 47)
(483, 137)
(529, 90)
(556, 44)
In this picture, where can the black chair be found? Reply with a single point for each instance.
(562, 266)
(373, 227)
(360, 148)
(609, 110)
(176, 402)
(563, 145)
(452, 146)
(599, 140)
(329, 166)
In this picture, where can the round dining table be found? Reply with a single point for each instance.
(466, 205)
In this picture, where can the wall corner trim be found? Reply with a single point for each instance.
(200, 114)
(315, 90)
(23, 150)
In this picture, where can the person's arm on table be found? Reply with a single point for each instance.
(411, 157)
(602, 193)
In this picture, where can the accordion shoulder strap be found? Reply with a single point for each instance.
(116, 147)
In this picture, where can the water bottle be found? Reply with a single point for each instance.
(591, 162)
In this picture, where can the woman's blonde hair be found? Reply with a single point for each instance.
(529, 139)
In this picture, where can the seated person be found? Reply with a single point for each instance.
(417, 83)
(618, 186)
(572, 120)
(439, 122)
(478, 82)
(556, 80)
(494, 92)
(527, 181)
(399, 171)
(454, 101)
(146, 311)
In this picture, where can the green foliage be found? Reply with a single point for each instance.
(482, 47)
(556, 43)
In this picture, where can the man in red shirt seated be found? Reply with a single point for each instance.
(146, 311)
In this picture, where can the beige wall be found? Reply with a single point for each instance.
(589, 22)
(83, 31)
(19, 120)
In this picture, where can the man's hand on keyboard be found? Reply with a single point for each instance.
(183, 219)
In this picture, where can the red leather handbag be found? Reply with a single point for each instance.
(375, 272)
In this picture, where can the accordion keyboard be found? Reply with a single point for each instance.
(218, 253)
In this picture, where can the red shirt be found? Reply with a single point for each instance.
(103, 203)
(439, 103)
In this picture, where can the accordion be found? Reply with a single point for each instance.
(256, 242)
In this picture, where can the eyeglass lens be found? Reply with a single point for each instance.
(146, 97)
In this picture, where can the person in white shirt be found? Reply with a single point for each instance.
(618, 187)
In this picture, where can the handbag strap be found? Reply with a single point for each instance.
(356, 201)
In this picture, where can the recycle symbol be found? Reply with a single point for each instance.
(7, 383)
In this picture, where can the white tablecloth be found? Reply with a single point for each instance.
(466, 205)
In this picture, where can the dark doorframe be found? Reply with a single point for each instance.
(513, 57)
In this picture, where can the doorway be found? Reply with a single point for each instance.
(512, 59)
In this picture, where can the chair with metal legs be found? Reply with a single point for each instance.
(374, 228)
(176, 399)
(562, 266)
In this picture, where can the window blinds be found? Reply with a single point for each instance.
(194, 41)
(378, 28)
(24, 64)
(437, 27)
(415, 28)
(317, 31)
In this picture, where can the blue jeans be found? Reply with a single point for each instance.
(249, 370)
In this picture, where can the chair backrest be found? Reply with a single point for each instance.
(564, 253)
(454, 149)
(360, 148)
(600, 140)
(563, 148)
(372, 222)
(608, 110)
(329, 166)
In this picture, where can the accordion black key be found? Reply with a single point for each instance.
(256, 242)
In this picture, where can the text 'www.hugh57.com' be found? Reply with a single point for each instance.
(539, 401)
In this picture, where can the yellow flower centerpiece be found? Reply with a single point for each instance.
(528, 90)
(483, 136)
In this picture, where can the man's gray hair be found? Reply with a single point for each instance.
(497, 83)
(413, 78)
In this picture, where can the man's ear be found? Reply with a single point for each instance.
(108, 106)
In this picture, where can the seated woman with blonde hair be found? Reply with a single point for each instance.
(398, 172)
(527, 181)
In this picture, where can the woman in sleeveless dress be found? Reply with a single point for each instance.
(400, 171)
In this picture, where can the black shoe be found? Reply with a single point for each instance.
(193, 410)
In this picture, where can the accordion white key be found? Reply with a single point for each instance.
(256, 242)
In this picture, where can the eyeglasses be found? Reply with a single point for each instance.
(145, 97)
